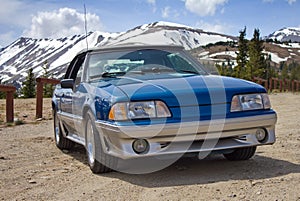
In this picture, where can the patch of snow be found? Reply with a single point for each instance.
(4, 77)
(10, 69)
(229, 53)
(10, 52)
(289, 45)
(171, 24)
(204, 55)
(275, 58)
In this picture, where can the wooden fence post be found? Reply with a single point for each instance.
(261, 81)
(270, 84)
(266, 84)
(39, 94)
(280, 85)
(10, 90)
(39, 98)
(10, 106)
(293, 86)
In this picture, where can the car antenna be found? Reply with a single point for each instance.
(85, 27)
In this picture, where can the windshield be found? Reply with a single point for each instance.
(141, 62)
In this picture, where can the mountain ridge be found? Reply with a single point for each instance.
(25, 53)
(286, 34)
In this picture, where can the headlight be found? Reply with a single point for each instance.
(139, 110)
(250, 102)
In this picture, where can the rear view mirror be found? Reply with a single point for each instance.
(67, 83)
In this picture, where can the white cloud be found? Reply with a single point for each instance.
(61, 23)
(288, 1)
(152, 2)
(291, 1)
(203, 7)
(217, 27)
(165, 12)
(168, 12)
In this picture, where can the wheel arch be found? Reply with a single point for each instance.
(85, 110)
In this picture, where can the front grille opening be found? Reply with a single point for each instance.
(164, 144)
(243, 137)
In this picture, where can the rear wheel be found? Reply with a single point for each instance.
(241, 154)
(98, 161)
(60, 141)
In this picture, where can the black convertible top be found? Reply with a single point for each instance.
(131, 46)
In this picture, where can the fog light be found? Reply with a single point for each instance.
(260, 134)
(140, 146)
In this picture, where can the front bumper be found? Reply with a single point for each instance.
(187, 137)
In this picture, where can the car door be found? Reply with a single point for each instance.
(68, 105)
(79, 97)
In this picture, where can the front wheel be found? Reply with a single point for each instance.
(60, 141)
(241, 154)
(98, 161)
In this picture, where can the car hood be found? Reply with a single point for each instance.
(185, 91)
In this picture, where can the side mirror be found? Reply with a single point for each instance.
(67, 83)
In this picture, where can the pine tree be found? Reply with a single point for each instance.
(271, 70)
(268, 73)
(242, 55)
(28, 89)
(256, 66)
(285, 72)
(295, 72)
(2, 94)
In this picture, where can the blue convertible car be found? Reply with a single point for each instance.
(155, 103)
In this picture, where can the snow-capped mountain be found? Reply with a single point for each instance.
(25, 53)
(170, 33)
(286, 34)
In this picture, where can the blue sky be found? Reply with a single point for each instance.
(58, 18)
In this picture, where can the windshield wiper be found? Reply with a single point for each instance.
(112, 74)
(189, 71)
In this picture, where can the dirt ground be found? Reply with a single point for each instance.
(25, 110)
(32, 168)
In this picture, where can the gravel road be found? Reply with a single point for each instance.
(32, 168)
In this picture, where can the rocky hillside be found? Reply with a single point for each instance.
(288, 52)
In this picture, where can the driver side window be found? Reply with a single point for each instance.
(77, 70)
(79, 75)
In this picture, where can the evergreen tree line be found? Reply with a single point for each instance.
(2, 94)
(29, 85)
(252, 62)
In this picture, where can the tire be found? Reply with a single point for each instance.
(99, 162)
(241, 154)
(60, 141)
